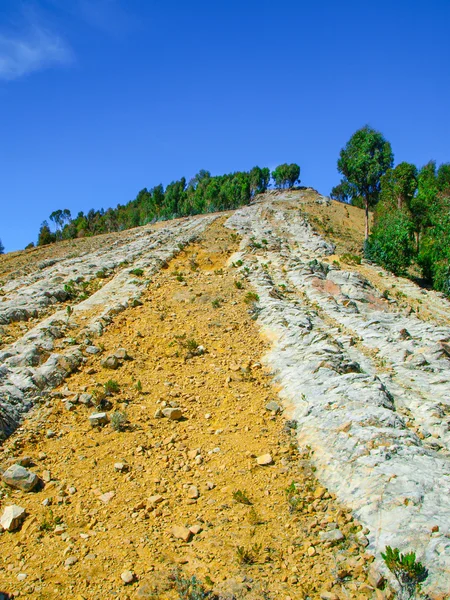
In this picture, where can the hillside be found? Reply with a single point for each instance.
(245, 351)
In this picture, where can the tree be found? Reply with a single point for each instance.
(59, 217)
(399, 185)
(45, 235)
(365, 158)
(286, 176)
(424, 202)
(391, 243)
(343, 192)
(2, 248)
(259, 180)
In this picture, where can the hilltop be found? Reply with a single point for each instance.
(274, 410)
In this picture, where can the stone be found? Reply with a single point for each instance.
(99, 418)
(273, 407)
(86, 399)
(174, 414)
(329, 596)
(127, 577)
(121, 354)
(195, 529)
(12, 517)
(311, 551)
(333, 536)
(264, 460)
(92, 349)
(111, 362)
(107, 497)
(20, 478)
(70, 561)
(50, 434)
(46, 476)
(154, 501)
(182, 533)
(121, 467)
(193, 492)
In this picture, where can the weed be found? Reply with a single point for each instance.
(193, 264)
(118, 420)
(385, 294)
(216, 303)
(241, 497)
(139, 385)
(49, 521)
(101, 274)
(238, 284)
(254, 245)
(218, 271)
(293, 498)
(112, 387)
(137, 272)
(408, 573)
(253, 517)
(251, 297)
(351, 259)
(248, 556)
(234, 237)
(189, 588)
(69, 311)
(238, 263)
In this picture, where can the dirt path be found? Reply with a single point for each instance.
(95, 519)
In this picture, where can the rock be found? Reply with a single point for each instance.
(121, 467)
(273, 407)
(174, 414)
(99, 418)
(85, 399)
(92, 349)
(265, 459)
(127, 577)
(50, 434)
(111, 362)
(375, 578)
(154, 501)
(158, 414)
(20, 478)
(311, 551)
(181, 533)
(195, 529)
(46, 476)
(121, 354)
(193, 492)
(105, 498)
(12, 517)
(70, 561)
(329, 596)
(333, 536)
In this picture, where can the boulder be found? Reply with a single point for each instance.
(12, 517)
(20, 478)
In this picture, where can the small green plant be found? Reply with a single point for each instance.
(238, 263)
(234, 237)
(407, 571)
(351, 259)
(248, 556)
(251, 297)
(112, 387)
(49, 521)
(189, 588)
(385, 295)
(193, 264)
(218, 271)
(216, 303)
(139, 386)
(240, 496)
(137, 272)
(118, 420)
(238, 285)
(69, 311)
(253, 517)
(101, 274)
(293, 498)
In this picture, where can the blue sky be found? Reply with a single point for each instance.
(100, 98)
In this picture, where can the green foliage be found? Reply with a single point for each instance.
(248, 556)
(434, 253)
(2, 248)
(286, 176)
(49, 521)
(351, 259)
(190, 588)
(238, 284)
(408, 572)
(45, 235)
(112, 387)
(251, 297)
(240, 496)
(344, 192)
(137, 272)
(398, 186)
(391, 243)
(362, 162)
(118, 420)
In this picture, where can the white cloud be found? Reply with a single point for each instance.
(32, 51)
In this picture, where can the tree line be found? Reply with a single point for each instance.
(411, 207)
(204, 193)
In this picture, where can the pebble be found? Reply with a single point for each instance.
(111, 362)
(193, 492)
(264, 459)
(334, 536)
(181, 533)
(174, 414)
(70, 561)
(273, 407)
(127, 577)
(98, 418)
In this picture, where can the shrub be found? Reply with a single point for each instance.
(248, 556)
(137, 272)
(392, 242)
(240, 496)
(351, 259)
(118, 420)
(408, 573)
(251, 297)
(112, 387)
